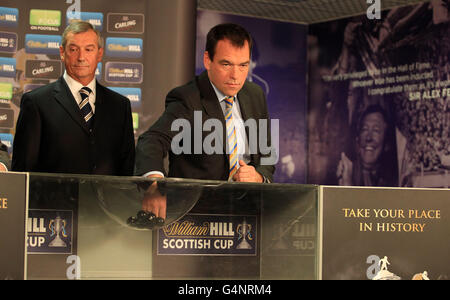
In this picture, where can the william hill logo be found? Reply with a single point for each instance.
(209, 235)
(42, 44)
(124, 47)
(95, 18)
(9, 17)
(186, 228)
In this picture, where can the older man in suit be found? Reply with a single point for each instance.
(222, 94)
(75, 125)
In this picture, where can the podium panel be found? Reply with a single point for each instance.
(213, 230)
(13, 215)
(94, 227)
(385, 233)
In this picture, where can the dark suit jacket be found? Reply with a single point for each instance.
(181, 102)
(52, 137)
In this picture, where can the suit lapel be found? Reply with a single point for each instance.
(209, 98)
(244, 101)
(64, 96)
(100, 107)
(245, 104)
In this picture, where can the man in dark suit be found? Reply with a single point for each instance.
(75, 125)
(221, 94)
(226, 59)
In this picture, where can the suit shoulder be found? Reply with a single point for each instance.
(255, 92)
(40, 95)
(187, 90)
(252, 87)
(113, 95)
(189, 95)
(42, 90)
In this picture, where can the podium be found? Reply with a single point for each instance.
(60, 226)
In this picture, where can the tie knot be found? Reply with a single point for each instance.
(85, 91)
(229, 101)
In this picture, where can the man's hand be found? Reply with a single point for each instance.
(247, 173)
(3, 168)
(344, 171)
(153, 200)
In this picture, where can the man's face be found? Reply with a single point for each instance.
(81, 56)
(371, 138)
(229, 68)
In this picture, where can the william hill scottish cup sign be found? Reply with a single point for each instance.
(49, 231)
(197, 234)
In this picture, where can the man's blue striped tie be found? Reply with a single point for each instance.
(231, 137)
(85, 107)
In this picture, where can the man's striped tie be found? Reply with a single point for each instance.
(85, 107)
(231, 136)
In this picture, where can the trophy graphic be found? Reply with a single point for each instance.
(383, 273)
(57, 226)
(244, 231)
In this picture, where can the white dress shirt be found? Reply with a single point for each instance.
(75, 88)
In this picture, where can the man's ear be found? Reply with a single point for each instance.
(61, 52)
(206, 60)
(100, 54)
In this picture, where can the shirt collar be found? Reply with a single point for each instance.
(75, 86)
(221, 96)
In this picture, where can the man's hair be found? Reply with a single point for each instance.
(78, 26)
(236, 34)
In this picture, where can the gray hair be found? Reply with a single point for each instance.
(79, 26)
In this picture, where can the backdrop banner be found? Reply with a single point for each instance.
(278, 65)
(379, 111)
